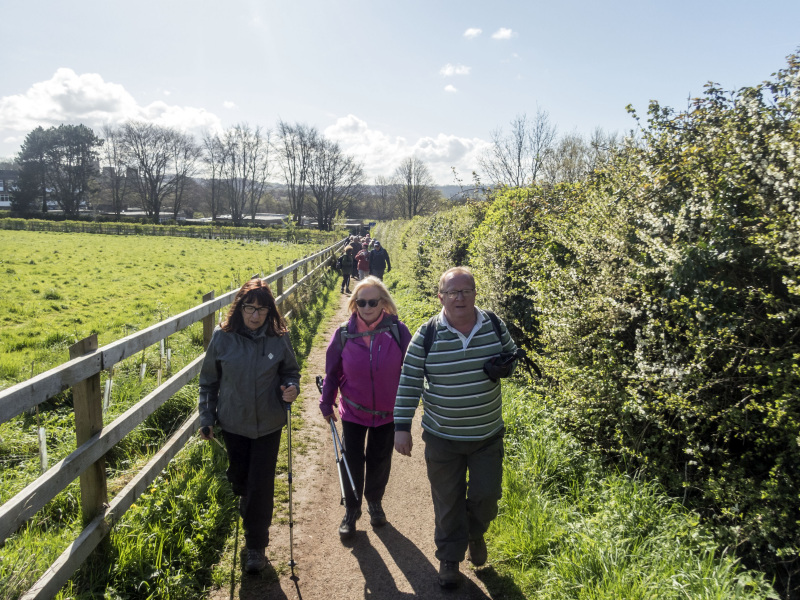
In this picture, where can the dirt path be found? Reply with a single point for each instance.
(387, 563)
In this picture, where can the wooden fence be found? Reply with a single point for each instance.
(82, 374)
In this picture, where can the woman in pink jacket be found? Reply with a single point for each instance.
(363, 363)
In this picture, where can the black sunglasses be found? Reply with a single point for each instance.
(372, 303)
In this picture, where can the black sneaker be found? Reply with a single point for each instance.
(256, 560)
(449, 577)
(348, 526)
(377, 518)
(477, 552)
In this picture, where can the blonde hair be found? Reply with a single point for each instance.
(455, 271)
(385, 297)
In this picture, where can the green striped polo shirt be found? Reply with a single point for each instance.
(460, 402)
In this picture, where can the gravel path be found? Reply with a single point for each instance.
(387, 563)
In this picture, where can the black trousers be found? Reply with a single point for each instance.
(346, 280)
(369, 452)
(251, 471)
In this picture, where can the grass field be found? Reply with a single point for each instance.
(59, 288)
(113, 286)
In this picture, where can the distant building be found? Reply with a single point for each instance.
(8, 180)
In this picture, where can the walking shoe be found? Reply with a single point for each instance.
(377, 517)
(348, 526)
(449, 577)
(477, 552)
(256, 560)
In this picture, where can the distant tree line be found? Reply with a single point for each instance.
(233, 174)
(245, 170)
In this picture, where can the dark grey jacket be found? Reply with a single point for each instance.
(240, 381)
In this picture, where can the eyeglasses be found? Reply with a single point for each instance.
(362, 303)
(468, 293)
(249, 309)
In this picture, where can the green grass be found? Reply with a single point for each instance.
(142, 559)
(59, 288)
(569, 528)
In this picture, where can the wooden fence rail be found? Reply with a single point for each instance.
(100, 515)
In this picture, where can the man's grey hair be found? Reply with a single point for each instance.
(455, 271)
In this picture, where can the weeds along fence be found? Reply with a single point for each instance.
(292, 235)
(82, 374)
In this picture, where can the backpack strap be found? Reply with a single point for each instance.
(496, 324)
(345, 335)
(433, 326)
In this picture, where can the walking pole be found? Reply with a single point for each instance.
(336, 454)
(337, 445)
(292, 564)
(344, 460)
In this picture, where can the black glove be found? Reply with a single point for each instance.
(501, 366)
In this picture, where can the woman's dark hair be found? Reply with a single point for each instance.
(255, 291)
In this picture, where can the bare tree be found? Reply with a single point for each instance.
(184, 156)
(114, 161)
(295, 144)
(243, 166)
(384, 195)
(214, 157)
(568, 162)
(601, 146)
(415, 187)
(334, 179)
(517, 158)
(148, 148)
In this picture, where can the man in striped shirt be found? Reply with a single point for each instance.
(462, 421)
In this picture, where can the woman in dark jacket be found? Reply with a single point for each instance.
(249, 375)
(366, 370)
(346, 262)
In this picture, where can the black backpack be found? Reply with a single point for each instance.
(345, 335)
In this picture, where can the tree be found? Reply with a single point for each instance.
(240, 162)
(115, 167)
(415, 187)
(384, 196)
(568, 161)
(516, 159)
(60, 161)
(32, 182)
(334, 178)
(148, 148)
(184, 155)
(214, 158)
(295, 144)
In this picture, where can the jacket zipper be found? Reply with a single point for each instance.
(372, 377)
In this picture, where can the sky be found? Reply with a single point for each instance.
(387, 80)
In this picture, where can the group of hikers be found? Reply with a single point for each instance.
(362, 257)
(376, 371)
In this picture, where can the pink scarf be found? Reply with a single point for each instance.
(361, 327)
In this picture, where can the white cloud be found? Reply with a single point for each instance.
(449, 70)
(230, 105)
(503, 34)
(69, 98)
(450, 88)
(472, 33)
(382, 154)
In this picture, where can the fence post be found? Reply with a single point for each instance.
(208, 322)
(88, 405)
(279, 283)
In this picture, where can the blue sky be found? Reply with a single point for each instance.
(387, 79)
